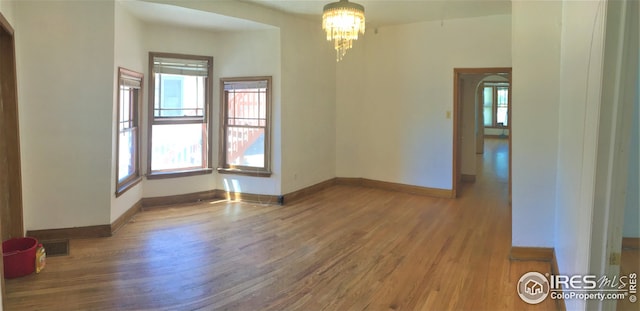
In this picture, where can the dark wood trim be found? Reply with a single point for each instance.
(12, 214)
(126, 186)
(304, 192)
(348, 181)
(390, 186)
(631, 243)
(180, 198)
(135, 110)
(532, 253)
(223, 166)
(126, 216)
(165, 175)
(468, 178)
(99, 231)
(244, 172)
(249, 197)
(497, 136)
(457, 137)
(208, 107)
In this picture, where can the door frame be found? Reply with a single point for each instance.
(457, 123)
(9, 93)
(10, 216)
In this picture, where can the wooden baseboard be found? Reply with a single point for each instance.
(144, 203)
(547, 254)
(384, 185)
(99, 231)
(126, 216)
(180, 198)
(249, 197)
(631, 243)
(304, 192)
(532, 253)
(468, 178)
(348, 181)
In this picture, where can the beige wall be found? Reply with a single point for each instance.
(129, 54)
(67, 179)
(308, 105)
(394, 91)
(6, 8)
(536, 73)
(65, 86)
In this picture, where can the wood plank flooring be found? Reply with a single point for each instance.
(630, 263)
(344, 248)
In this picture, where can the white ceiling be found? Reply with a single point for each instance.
(391, 12)
(180, 16)
(377, 12)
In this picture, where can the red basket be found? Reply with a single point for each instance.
(19, 255)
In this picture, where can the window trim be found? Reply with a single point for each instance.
(162, 121)
(136, 177)
(225, 168)
(494, 104)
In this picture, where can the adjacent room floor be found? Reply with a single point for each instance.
(344, 248)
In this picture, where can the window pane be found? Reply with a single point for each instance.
(247, 107)
(178, 146)
(502, 116)
(179, 96)
(503, 96)
(245, 146)
(488, 96)
(488, 116)
(487, 110)
(126, 156)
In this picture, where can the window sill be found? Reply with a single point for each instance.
(176, 174)
(236, 171)
(121, 189)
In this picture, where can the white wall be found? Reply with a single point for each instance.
(6, 8)
(396, 128)
(251, 53)
(65, 85)
(580, 84)
(469, 90)
(536, 63)
(129, 54)
(307, 108)
(308, 105)
(235, 54)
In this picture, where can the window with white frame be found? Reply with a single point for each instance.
(179, 126)
(128, 131)
(245, 143)
(495, 104)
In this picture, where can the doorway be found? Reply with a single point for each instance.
(482, 108)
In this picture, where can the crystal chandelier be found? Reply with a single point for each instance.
(343, 21)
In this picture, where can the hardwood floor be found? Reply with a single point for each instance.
(630, 263)
(343, 248)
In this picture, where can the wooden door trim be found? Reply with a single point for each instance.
(10, 95)
(9, 99)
